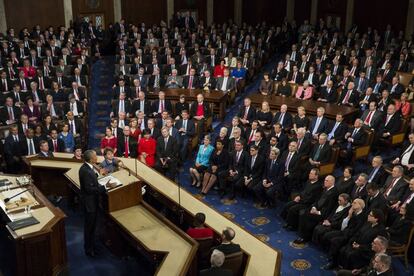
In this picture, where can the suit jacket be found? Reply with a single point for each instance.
(190, 128)
(378, 177)
(398, 191)
(60, 145)
(251, 114)
(273, 173)
(330, 97)
(25, 148)
(305, 146)
(287, 122)
(340, 131)
(311, 192)
(156, 105)
(294, 164)
(206, 108)
(195, 84)
(400, 230)
(238, 166)
(228, 248)
(211, 84)
(12, 148)
(90, 188)
(323, 126)
(324, 154)
(255, 172)
(231, 83)
(360, 137)
(352, 100)
(171, 150)
(137, 104)
(133, 146)
(376, 119)
(336, 218)
(115, 107)
(4, 114)
(327, 202)
(393, 126)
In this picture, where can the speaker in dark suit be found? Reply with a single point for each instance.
(90, 192)
(166, 154)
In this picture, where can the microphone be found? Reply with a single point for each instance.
(9, 198)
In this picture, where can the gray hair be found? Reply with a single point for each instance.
(217, 258)
(87, 155)
(384, 259)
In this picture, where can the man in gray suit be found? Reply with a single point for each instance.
(226, 83)
(174, 81)
(217, 260)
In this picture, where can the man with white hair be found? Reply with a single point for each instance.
(174, 81)
(216, 260)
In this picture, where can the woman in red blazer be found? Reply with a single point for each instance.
(146, 148)
(109, 141)
(219, 69)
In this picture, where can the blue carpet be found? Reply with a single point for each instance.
(102, 79)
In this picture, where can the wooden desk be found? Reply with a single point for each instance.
(213, 96)
(47, 237)
(310, 106)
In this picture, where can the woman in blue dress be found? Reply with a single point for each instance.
(202, 161)
(67, 138)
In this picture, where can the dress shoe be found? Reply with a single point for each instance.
(299, 241)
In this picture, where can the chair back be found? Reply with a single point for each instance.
(233, 262)
(204, 251)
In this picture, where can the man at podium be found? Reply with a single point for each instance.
(90, 192)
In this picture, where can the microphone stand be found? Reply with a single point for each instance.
(180, 208)
(9, 198)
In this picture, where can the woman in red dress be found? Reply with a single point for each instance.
(219, 69)
(199, 230)
(135, 131)
(108, 141)
(146, 148)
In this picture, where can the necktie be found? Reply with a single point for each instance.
(317, 153)
(246, 112)
(5, 88)
(72, 127)
(238, 156)
(31, 147)
(281, 117)
(388, 119)
(372, 174)
(162, 105)
(251, 136)
(190, 83)
(272, 164)
(165, 143)
(368, 118)
(316, 127)
(11, 114)
(332, 133)
(126, 147)
(121, 106)
(288, 161)
(407, 150)
(346, 98)
(185, 125)
(41, 84)
(252, 163)
(388, 191)
(55, 148)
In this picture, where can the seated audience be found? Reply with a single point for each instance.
(199, 230)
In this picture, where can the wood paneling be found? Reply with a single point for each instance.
(223, 10)
(24, 13)
(150, 12)
(199, 5)
(302, 10)
(105, 7)
(271, 11)
(379, 13)
(332, 8)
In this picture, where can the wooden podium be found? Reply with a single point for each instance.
(39, 249)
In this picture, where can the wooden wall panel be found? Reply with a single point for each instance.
(24, 13)
(271, 11)
(379, 13)
(302, 10)
(223, 10)
(105, 7)
(332, 8)
(199, 5)
(149, 12)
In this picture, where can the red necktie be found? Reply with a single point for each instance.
(126, 147)
(251, 136)
(368, 118)
(55, 148)
(346, 98)
(390, 187)
(190, 83)
(162, 106)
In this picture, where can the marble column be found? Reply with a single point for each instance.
(67, 11)
(117, 10)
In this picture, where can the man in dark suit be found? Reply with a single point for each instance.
(376, 173)
(302, 201)
(355, 137)
(372, 117)
(337, 130)
(121, 88)
(396, 88)
(141, 104)
(270, 186)
(282, 139)
(375, 199)
(207, 82)
(238, 158)
(290, 159)
(217, 260)
(319, 123)
(166, 154)
(9, 114)
(127, 145)
(90, 192)
(252, 173)
(75, 126)
(283, 117)
(226, 246)
(44, 151)
(328, 93)
(186, 130)
(12, 150)
(320, 154)
(191, 81)
(392, 125)
(247, 112)
(161, 104)
(349, 96)
(30, 144)
(395, 186)
(303, 142)
(319, 211)
(360, 189)
(122, 104)
(55, 143)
